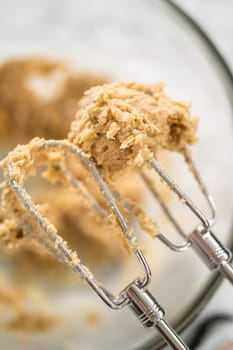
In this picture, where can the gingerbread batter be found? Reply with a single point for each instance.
(122, 125)
(73, 216)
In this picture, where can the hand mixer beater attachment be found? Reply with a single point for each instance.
(211, 251)
(28, 216)
(121, 120)
(133, 122)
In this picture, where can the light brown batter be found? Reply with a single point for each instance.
(38, 97)
(122, 125)
(32, 322)
(73, 216)
(20, 317)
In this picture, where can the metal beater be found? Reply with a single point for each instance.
(211, 251)
(136, 295)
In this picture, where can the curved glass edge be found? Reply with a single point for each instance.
(208, 291)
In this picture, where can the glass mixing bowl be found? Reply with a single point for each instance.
(145, 41)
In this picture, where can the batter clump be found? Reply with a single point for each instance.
(66, 207)
(122, 125)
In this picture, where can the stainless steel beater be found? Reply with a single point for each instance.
(211, 251)
(136, 295)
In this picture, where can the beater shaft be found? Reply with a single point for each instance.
(170, 336)
(150, 313)
(227, 270)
